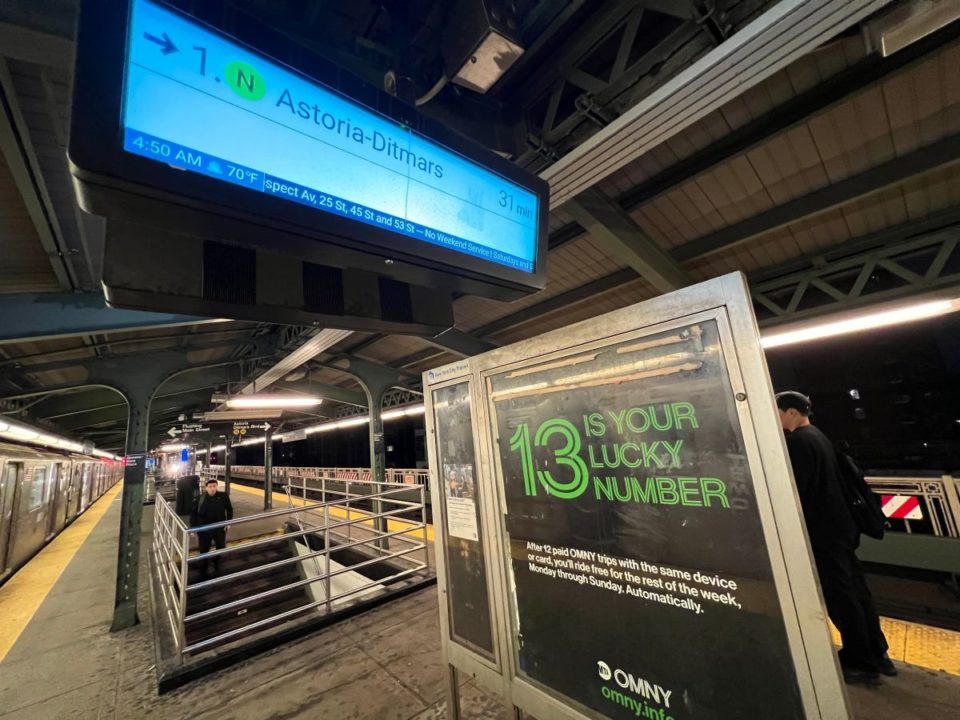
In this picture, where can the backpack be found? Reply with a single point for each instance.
(863, 503)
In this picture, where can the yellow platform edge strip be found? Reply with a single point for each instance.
(22, 595)
(925, 646)
(392, 525)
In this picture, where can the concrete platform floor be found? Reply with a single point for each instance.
(381, 665)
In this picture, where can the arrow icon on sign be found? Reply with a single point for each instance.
(173, 432)
(165, 43)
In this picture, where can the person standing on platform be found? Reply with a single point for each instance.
(834, 537)
(188, 492)
(212, 507)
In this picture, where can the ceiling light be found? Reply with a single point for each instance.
(273, 401)
(353, 422)
(174, 447)
(227, 415)
(22, 433)
(859, 323)
(909, 22)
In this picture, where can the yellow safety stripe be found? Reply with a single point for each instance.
(22, 595)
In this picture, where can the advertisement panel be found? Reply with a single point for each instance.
(466, 572)
(637, 563)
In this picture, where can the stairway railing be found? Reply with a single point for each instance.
(386, 537)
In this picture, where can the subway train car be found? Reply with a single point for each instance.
(41, 492)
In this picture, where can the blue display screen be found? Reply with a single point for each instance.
(203, 104)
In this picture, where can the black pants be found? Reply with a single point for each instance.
(217, 538)
(850, 606)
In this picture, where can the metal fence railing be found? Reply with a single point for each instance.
(387, 542)
(405, 476)
(915, 505)
(920, 505)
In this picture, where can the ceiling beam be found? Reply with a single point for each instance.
(319, 343)
(39, 316)
(532, 312)
(559, 302)
(329, 392)
(18, 361)
(29, 369)
(608, 224)
(17, 149)
(460, 343)
(932, 157)
(867, 73)
(786, 31)
(20, 43)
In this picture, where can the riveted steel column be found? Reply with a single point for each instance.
(226, 466)
(268, 469)
(131, 513)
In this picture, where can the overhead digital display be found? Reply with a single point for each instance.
(198, 102)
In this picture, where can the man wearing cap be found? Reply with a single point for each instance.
(212, 507)
(834, 537)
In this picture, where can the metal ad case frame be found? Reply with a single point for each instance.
(725, 301)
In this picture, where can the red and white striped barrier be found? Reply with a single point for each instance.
(901, 507)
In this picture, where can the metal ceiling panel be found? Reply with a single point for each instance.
(785, 32)
(25, 267)
(392, 347)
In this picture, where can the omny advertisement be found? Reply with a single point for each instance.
(640, 578)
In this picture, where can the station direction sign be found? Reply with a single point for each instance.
(361, 182)
(187, 428)
(242, 427)
(619, 534)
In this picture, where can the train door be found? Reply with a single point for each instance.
(59, 480)
(73, 491)
(9, 483)
(31, 513)
(85, 486)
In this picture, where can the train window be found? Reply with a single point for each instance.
(38, 488)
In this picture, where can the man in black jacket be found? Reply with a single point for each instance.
(212, 507)
(833, 538)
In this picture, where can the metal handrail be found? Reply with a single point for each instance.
(287, 561)
(171, 552)
(418, 476)
(290, 586)
(284, 615)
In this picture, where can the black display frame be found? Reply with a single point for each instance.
(115, 183)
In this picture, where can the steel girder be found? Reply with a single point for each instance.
(37, 316)
(899, 269)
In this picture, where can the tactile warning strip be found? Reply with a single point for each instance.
(929, 647)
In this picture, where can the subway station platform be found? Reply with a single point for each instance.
(59, 660)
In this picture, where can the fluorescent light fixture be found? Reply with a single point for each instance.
(13, 430)
(352, 422)
(22, 433)
(172, 447)
(227, 415)
(859, 323)
(272, 401)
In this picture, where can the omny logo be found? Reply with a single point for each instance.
(650, 694)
